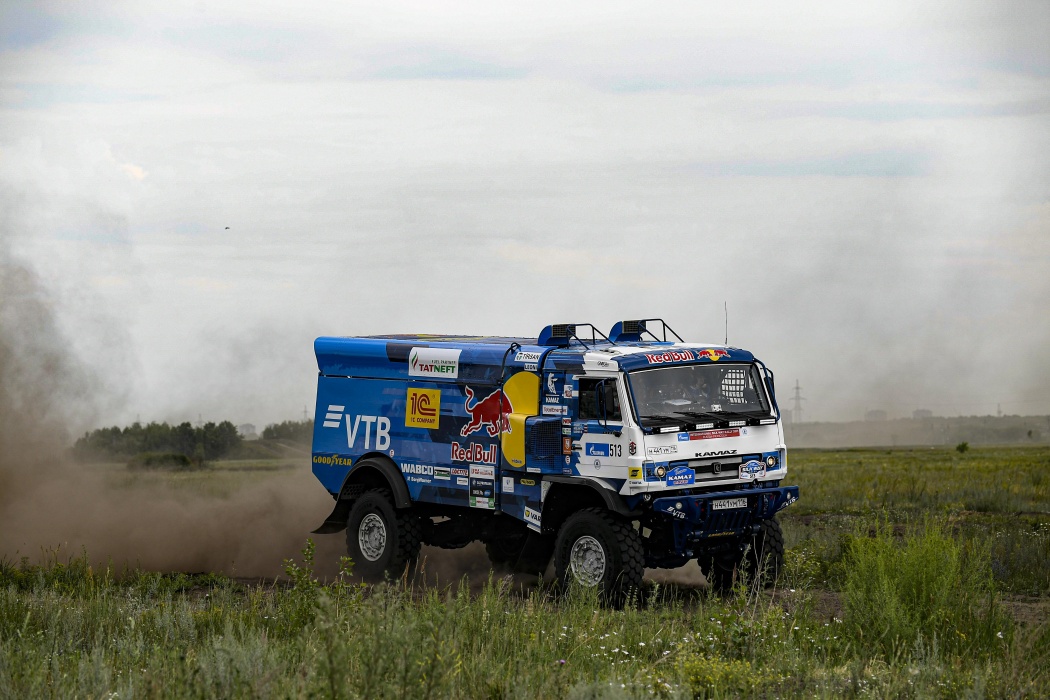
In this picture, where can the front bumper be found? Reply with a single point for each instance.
(696, 518)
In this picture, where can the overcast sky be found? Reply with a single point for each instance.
(867, 186)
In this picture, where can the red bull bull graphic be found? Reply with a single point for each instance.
(489, 413)
(712, 354)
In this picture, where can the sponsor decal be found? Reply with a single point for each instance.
(442, 473)
(752, 469)
(374, 429)
(333, 460)
(566, 445)
(555, 410)
(712, 354)
(462, 481)
(532, 518)
(662, 450)
(508, 484)
(486, 454)
(636, 472)
(659, 358)
(567, 392)
(716, 453)
(480, 472)
(681, 476)
(552, 399)
(683, 437)
(527, 356)
(420, 469)
(481, 489)
(670, 510)
(712, 434)
(459, 471)
(566, 421)
(422, 408)
(551, 384)
(566, 431)
(531, 367)
(433, 362)
(379, 426)
(528, 482)
(334, 415)
(632, 448)
(481, 502)
(595, 449)
(490, 413)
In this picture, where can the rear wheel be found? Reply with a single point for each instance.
(380, 540)
(595, 549)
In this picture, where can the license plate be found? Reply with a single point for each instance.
(729, 503)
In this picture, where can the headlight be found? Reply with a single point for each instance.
(771, 461)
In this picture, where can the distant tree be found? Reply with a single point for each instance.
(300, 431)
(213, 440)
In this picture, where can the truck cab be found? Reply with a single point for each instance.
(610, 453)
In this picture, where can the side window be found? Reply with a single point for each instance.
(591, 402)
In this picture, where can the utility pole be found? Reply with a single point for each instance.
(796, 412)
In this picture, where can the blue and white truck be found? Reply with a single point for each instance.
(609, 453)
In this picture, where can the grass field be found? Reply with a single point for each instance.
(910, 573)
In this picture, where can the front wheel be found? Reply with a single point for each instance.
(764, 560)
(379, 540)
(595, 549)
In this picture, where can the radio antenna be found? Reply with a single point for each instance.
(725, 306)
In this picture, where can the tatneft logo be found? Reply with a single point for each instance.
(433, 362)
(423, 408)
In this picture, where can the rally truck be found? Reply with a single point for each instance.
(609, 453)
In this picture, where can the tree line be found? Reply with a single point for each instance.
(209, 441)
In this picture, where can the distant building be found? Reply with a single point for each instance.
(922, 413)
(247, 431)
(875, 415)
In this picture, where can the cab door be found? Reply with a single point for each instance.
(601, 448)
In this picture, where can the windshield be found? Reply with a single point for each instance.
(698, 391)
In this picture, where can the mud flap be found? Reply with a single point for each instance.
(336, 522)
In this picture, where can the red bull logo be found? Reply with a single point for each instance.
(489, 413)
(660, 358)
(713, 354)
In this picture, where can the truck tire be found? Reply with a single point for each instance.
(596, 549)
(380, 540)
(504, 549)
(765, 558)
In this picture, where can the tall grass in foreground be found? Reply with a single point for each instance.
(926, 588)
(69, 630)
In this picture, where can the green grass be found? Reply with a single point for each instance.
(894, 587)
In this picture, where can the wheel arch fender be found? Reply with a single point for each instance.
(371, 470)
(568, 494)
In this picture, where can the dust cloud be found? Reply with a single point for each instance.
(49, 503)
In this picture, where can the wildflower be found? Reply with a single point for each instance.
(561, 662)
(999, 635)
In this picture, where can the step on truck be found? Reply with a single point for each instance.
(608, 453)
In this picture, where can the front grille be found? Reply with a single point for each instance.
(544, 437)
